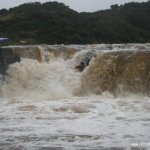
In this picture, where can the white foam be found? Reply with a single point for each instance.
(106, 122)
(53, 80)
(38, 110)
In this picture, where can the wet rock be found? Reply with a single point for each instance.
(7, 56)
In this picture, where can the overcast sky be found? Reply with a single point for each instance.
(78, 5)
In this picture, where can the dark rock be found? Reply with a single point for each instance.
(7, 57)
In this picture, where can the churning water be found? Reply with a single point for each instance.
(42, 108)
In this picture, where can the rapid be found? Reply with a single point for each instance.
(46, 104)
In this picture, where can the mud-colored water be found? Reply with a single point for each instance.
(42, 107)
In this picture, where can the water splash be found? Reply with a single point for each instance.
(53, 80)
(40, 107)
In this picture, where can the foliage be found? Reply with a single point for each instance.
(55, 23)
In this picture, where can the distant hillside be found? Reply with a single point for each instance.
(55, 23)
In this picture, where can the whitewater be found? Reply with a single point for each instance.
(43, 106)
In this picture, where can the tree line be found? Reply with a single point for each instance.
(56, 23)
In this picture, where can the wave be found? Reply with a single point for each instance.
(120, 71)
(48, 72)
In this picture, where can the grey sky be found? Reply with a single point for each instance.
(78, 5)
